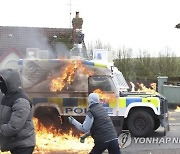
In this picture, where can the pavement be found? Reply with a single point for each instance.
(158, 143)
(169, 144)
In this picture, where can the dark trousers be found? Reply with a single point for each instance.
(22, 150)
(111, 146)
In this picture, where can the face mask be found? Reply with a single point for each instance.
(3, 87)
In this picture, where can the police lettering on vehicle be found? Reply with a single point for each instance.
(76, 110)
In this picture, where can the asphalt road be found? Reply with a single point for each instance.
(158, 143)
(169, 144)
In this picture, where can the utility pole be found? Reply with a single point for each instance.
(70, 12)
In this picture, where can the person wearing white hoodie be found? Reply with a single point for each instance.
(99, 125)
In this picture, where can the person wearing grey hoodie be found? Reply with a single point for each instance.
(17, 133)
(99, 125)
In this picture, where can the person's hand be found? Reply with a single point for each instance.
(82, 139)
(70, 119)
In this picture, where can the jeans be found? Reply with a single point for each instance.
(111, 146)
(22, 150)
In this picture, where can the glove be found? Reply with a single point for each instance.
(70, 119)
(82, 139)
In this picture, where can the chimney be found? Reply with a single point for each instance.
(77, 14)
(77, 22)
(77, 26)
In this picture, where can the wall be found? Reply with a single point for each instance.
(171, 92)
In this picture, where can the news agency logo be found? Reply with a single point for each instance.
(125, 140)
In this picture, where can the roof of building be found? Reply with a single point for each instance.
(21, 38)
(8, 52)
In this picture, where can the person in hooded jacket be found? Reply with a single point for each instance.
(99, 125)
(17, 133)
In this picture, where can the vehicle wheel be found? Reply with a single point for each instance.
(156, 123)
(49, 117)
(140, 123)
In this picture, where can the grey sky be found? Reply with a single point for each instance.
(137, 24)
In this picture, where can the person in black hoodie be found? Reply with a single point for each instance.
(99, 125)
(17, 133)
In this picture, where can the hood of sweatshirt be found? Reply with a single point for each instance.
(93, 99)
(11, 79)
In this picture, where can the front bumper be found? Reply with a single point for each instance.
(163, 117)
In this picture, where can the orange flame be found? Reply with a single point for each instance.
(148, 90)
(133, 86)
(67, 75)
(177, 109)
(105, 97)
(143, 88)
(51, 140)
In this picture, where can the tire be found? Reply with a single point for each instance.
(140, 123)
(156, 123)
(49, 117)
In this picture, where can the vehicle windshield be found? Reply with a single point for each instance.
(102, 83)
